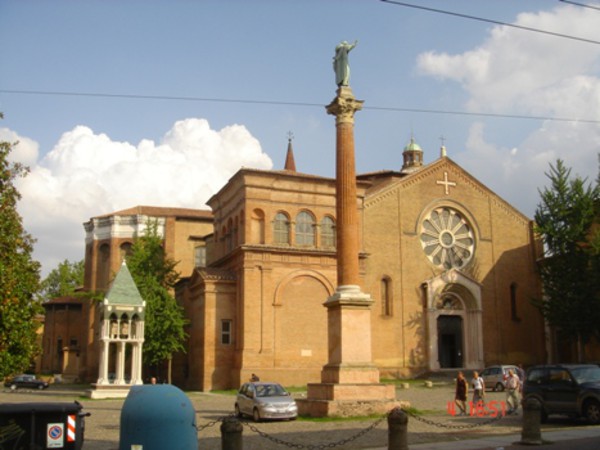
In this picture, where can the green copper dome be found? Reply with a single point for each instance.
(412, 146)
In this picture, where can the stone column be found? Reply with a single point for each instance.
(343, 108)
(120, 375)
(349, 381)
(136, 362)
(348, 310)
(103, 375)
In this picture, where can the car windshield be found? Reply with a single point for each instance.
(269, 390)
(586, 374)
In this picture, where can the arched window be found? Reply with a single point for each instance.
(125, 249)
(229, 236)
(327, 232)
(257, 227)
(305, 229)
(104, 266)
(386, 296)
(114, 327)
(124, 326)
(281, 229)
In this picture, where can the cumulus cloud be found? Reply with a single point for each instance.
(27, 150)
(517, 72)
(88, 174)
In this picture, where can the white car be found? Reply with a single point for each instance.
(264, 400)
(495, 377)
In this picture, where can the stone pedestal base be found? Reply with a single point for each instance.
(348, 399)
(103, 391)
(346, 408)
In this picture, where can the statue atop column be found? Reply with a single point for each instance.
(340, 63)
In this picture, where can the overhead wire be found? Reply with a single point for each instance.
(584, 5)
(375, 108)
(288, 103)
(496, 22)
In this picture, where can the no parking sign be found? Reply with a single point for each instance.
(55, 437)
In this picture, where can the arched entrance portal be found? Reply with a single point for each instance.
(450, 341)
(454, 321)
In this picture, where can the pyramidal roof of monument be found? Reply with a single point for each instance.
(123, 290)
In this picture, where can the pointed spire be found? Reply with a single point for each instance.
(290, 164)
(123, 290)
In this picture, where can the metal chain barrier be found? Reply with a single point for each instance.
(276, 440)
(452, 426)
(361, 433)
(315, 446)
(212, 423)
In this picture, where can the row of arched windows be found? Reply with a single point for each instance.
(227, 235)
(304, 230)
(123, 327)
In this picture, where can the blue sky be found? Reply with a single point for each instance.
(263, 68)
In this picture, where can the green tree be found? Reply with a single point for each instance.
(63, 280)
(19, 275)
(155, 276)
(565, 220)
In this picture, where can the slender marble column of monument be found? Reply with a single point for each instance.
(349, 381)
(349, 309)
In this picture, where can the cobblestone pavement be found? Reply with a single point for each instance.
(102, 427)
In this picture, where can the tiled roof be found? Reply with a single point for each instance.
(66, 300)
(123, 290)
(162, 211)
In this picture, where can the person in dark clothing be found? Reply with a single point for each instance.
(460, 395)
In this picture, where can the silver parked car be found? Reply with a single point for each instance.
(495, 377)
(264, 400)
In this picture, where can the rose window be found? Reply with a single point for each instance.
(447, 239)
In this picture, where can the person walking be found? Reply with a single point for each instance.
(478, 389)
(513, 385)
(460, 395)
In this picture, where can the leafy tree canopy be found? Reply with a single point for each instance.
(19, 275)
(567, 220)
(155, 275)
(63, 280)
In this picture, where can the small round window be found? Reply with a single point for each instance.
(447, 239)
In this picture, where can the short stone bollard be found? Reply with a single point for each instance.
(397, 430)
(428, 384)
(405, 385)
(231, 434)
(532, 418)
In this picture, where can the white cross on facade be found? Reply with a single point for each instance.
(446, 183)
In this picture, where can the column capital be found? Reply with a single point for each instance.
(344, 105)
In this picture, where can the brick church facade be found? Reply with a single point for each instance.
(451, 268)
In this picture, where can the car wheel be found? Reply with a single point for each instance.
(591, 411)
(40, 386)
(256, 415)
(238, 413)
(499, 387)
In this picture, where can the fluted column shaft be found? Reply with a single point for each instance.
(343, 108)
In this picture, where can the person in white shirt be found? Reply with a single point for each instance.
(513, 385)
(478, 388)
